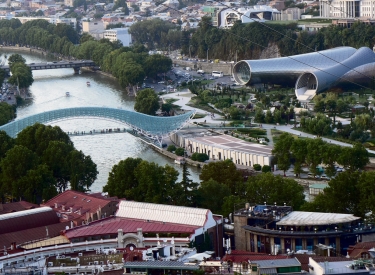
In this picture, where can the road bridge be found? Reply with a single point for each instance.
(76, 65)
(153, 128)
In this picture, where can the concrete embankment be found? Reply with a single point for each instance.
(173, 156)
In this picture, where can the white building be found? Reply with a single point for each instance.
(222, 147)
(259, 13)
(347, 8)
(92, 26)
(53, 20)
(119, 34)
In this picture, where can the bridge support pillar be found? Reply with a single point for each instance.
(76, 70)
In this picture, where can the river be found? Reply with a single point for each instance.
(48, 93)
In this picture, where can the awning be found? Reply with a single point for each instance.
(199, 257)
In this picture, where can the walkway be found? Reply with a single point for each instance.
(153, 127)
(184, 97)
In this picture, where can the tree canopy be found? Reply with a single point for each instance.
(147, 102)
(41, 162)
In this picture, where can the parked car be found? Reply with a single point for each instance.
(324, 177)
(161, 82)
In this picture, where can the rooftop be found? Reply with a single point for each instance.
(161, 265)
(238, 256)
(163, 213)
(128, 225)
(16, 206)
(277, 263)
(232, 143)
(26, 219)
(299, 218)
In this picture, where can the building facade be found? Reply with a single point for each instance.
(119, 34)
(223, 147)
(277, 229)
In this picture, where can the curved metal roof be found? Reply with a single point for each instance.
(300, 218)
(312, 72)
(145, 124)
(296, 64)
(163, 213)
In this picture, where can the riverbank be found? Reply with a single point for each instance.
(24, 49)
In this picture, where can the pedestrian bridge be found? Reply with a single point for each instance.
(76, 65)
(153, 128)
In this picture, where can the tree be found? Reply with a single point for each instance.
(330, 154)
(224, 172)
(7, 113)
(157, 184)
(22, 75)
(15, 58)
(14, 166)
(214, 203)
(314, 155)
(189, 194)
(82, 171)
(39, 185)
(259, 116)
(146, 102)
(341, 196)
(269, 188)
(122, 181)
(201, 157)
(180, 151)
(299, 152)
(281, 151)
(266, 168)
(157, 64)
(38, 136)
(354, 158)
(257, 167)
(171, 148)
(269, 117)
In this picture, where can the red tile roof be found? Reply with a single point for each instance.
(26, 219)
(32, 234)
(112, 224)
(80, 202)
(238, 256)
(356, 250)
(16, 206)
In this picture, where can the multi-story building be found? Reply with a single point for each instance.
(119, 34)
(347, 9)
(278, 229)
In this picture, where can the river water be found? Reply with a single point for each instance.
(48, 93)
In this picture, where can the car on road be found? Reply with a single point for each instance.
(324, 177)
(161, 82)
(164, 90)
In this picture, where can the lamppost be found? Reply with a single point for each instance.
(207, 53)
(190, 50)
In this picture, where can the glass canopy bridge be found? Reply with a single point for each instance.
(151, 127)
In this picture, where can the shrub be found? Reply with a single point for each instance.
(171, 148)
(257, 167)
(266, 168)
(199, 157)
(179, 151)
